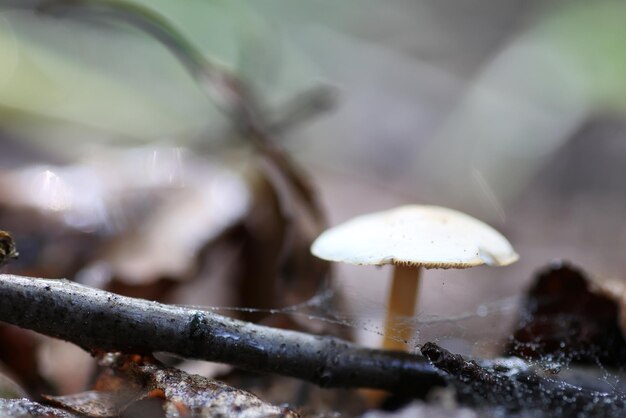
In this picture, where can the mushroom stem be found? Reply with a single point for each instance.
(401, 306)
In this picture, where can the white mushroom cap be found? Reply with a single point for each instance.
(427, 236)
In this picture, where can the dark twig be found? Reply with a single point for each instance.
(521, 390)
(99, 320)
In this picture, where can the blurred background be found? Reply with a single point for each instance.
(117, 168)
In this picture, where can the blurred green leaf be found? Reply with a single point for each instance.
(592, 35)
(109, 77)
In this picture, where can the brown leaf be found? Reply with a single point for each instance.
(616, 291)
(91, 403)
(113, 393)
(568, 316)
(203, 397)
(277, 268)
(184, 394)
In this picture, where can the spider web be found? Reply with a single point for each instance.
(482, 333)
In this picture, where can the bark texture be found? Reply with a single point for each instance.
(99, 320)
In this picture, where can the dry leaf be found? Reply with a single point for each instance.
(567, 316)
(91, 403)
(129, 379)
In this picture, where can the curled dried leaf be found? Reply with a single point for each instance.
(90, 403)
(136, 378)
(202, 397)
(567, 317)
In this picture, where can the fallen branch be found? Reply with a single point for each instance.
(521, 390)
(98, 320)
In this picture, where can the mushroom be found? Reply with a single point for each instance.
(411, 237)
